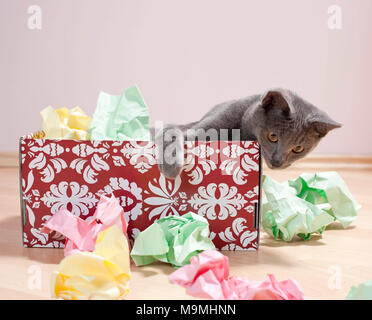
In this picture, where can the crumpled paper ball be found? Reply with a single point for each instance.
(328, 188)
(63, 123)
(306, 205)
(81, 234)
(101, 274)
(207, 276)
(173, 239)
(361, 292)
(121, 117)
(285, 215)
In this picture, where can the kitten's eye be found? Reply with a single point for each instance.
(298, 149)
(273, 137)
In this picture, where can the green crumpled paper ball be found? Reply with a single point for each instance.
(328, 187)
(121, 117)
(306, 205)
(285, 215)
(362, 292)
(173, 239)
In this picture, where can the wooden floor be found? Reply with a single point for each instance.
(325, 266)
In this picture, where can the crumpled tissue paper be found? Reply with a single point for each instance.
(63, 123)
(361, 292)
(285, 215)
(121, 117)
(328, 187)
(207, 276)
(81, 234)
(306, 205)
(101, 274)
(173, 239)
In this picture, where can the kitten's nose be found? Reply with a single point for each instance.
(276, 163)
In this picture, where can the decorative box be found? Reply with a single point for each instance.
(220, 181)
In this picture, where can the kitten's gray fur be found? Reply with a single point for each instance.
(295, 121)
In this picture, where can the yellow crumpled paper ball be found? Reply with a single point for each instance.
(99, 275)
(63, 123)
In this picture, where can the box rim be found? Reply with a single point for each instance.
(22, 201)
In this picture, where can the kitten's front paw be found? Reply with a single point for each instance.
(171, 151)
(170, 171)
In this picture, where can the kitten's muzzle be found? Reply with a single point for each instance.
(277, 166)
(275, 163)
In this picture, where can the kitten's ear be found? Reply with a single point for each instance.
(323, 123)
(275, 99)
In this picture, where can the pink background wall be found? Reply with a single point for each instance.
(186, 56)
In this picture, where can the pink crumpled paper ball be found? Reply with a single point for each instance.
(81, 234)
(207, 276)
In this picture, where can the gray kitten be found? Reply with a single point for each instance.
(286, 126)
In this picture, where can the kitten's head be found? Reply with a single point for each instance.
(291, 127)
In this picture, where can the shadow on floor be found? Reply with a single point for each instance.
(315, 240)
(11, 244)
(153, 269)
(261, 258)
(338, 226)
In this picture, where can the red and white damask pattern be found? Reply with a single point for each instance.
(220, 181)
